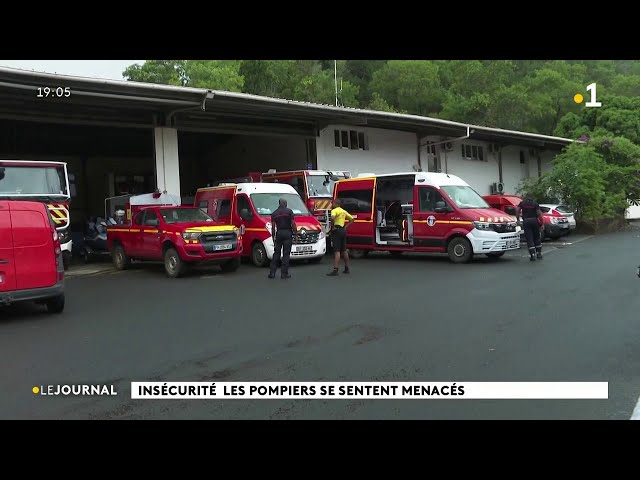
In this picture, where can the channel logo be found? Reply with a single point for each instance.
(75, 390)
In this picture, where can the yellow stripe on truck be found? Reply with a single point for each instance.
(213, 228)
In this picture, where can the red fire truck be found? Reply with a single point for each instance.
(158, 228)
(314, 186)
(46, 182)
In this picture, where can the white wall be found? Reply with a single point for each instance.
(167, 161)
(513, 172)
(244, 153)
(480, 175)
(389, 151)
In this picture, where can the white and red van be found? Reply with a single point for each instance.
(423, 212)
(249, 206)
(31, 265)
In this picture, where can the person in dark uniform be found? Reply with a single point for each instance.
(283, 226)
(531, 215)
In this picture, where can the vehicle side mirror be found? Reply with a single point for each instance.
(246, 214)
(442, 207)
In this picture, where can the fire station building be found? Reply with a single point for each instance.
(121, 137)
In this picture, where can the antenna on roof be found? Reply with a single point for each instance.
(335, 78)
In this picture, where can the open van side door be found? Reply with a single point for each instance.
(356, 196)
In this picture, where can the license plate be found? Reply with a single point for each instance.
(226, 246)
(304, 248)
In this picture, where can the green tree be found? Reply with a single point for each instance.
(319, 87)
(380, 104)
(166, 72)
(214, 74)
(413, 86)
(360, 73)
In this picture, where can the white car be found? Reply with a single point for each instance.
(560, 210)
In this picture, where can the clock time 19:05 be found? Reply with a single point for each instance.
(56, 92)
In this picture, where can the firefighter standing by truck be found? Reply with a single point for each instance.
(532, 221)
(283, 229)
(339, 217)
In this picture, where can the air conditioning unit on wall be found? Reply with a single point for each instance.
(448, 146)
(497, 187)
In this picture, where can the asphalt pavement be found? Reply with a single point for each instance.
(571, 317)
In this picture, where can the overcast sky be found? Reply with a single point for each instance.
(111, 69)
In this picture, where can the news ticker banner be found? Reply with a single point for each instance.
(371, 390)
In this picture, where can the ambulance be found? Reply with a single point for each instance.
(314, 186)
(423, 212)
(249, 206)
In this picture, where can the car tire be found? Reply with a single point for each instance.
(231, 265)
(120, 259)
(55, 304)
(460, 250)
(173, 264)
(259, 255)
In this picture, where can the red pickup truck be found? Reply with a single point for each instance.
(179, 236)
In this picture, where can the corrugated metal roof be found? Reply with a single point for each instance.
(313, 110)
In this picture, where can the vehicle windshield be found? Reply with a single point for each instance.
(267, 203)
(465, 197)
(321, 185)
(184, 215)
(25, 181)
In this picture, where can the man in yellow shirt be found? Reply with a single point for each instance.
(339, 216)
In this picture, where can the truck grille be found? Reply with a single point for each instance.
(211, 242)
(308, 237)
(503, 227)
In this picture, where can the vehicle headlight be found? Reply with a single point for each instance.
(268, 227)
(482, 225)
(554, 220)
(322, 235)
(191, 235)
(63, 236)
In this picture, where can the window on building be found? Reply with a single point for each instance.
(430, 148)
(472, 152)
(522, 158)
(351, 139)
(356, 201)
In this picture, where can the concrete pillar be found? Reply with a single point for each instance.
(167, 161)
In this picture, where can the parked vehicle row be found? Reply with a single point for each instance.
(558, 219)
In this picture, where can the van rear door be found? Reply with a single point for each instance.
(7, 263)
(34, 251)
